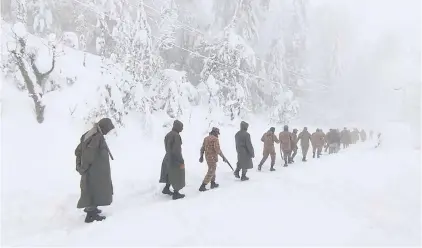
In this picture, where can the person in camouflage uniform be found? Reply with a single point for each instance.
(269, 150)
(211, 148)
(285, 138)
(305, 138)
(294, 145)
(317, 140)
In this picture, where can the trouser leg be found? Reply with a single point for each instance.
(272, 154)
(210, 176)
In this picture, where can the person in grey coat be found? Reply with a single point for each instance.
(173, 165)
(245, 151)
(93, 164)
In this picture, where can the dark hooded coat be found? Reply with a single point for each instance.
(170, 168)
(244, 148)
(96, 185)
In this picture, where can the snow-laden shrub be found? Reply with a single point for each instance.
(70, 39)
(286, 108)
(172, 92)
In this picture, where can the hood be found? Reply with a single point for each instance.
(286, 128)
(272, 129)
(177, 126)
(106, 125)
(244, 126)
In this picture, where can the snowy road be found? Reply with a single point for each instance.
(361, 196)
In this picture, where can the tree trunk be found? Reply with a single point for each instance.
(39, 107)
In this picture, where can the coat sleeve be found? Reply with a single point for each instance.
(176, 150)
(275, 139)
(249, 146)
(202, 148)
(90, 153)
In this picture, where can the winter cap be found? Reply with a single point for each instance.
(215, 130)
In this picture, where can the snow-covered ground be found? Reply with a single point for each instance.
(361, 196)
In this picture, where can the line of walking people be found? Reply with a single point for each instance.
(93, 159)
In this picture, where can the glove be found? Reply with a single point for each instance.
(225, 160)
(201, 159)
(182, 166)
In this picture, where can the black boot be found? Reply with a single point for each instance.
(167, 190)
(96, 210)
(92, 216)
(177, 195)
(259, 167)
(272, 168)
(236, 173)
(285, 163)
(304, 159)
(313, 155)
(214, 185)
(202, 188)
(244, 177)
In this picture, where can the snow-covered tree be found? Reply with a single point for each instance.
(28, 61)
(109, 101)
(294, 38)
(285, 108)
(43, 18)
(172, 92)
(167, 26)
(248, 22)
(19, 10)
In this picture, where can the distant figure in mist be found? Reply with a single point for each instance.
(295, 139)
(371, 134)
(363, 135)
(331, 141)
(317, 140)
(355, 136)
(93, 164)
(345, 137)
(379, 140)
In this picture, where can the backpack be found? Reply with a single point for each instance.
(78, 153)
